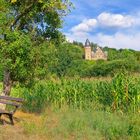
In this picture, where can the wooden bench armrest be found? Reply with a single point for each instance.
(10, 103)
(11, 98)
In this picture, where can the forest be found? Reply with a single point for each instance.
(67, 60)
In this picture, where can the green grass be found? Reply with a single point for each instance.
(69, 124)
(86, 125)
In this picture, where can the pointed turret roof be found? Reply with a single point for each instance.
(87, 43)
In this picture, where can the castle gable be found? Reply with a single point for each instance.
(97, 54)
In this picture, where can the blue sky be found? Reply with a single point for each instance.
(113, 23)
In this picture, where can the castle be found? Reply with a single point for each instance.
(97, 54)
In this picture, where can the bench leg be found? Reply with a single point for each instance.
(1, 121)
(11, 119)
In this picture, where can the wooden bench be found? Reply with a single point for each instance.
(15, 102)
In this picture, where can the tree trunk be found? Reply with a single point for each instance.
(7, 84)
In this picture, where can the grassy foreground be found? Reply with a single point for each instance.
(66, 124)
(77, 109)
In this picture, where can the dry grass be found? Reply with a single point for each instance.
(17, 132)
(66, 124)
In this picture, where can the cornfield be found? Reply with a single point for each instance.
(120, 93)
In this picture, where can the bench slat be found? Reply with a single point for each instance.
(10, 103)
(11, 98)
(4, 112)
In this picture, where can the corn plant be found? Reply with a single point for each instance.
(120, 93)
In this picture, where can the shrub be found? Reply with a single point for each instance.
(111, 67)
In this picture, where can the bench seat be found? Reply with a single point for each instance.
(4, 112)
(15, 102)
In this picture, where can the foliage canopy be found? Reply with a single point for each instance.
(25, 26)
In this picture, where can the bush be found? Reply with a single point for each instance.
(1, 73)
(111, 67)
(80, 68)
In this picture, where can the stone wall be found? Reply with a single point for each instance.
(97, 55)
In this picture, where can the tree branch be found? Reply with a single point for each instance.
(26, 11)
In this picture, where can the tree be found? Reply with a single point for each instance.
(60, 59)
(25, 25)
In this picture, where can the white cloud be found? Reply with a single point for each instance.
(85, 26)
(115, 20)
(107, 20)
(120, 39)
(78, 36)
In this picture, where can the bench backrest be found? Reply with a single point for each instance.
(11, 101)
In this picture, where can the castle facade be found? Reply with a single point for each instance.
(97, 54)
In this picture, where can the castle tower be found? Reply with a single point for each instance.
(87, 50)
